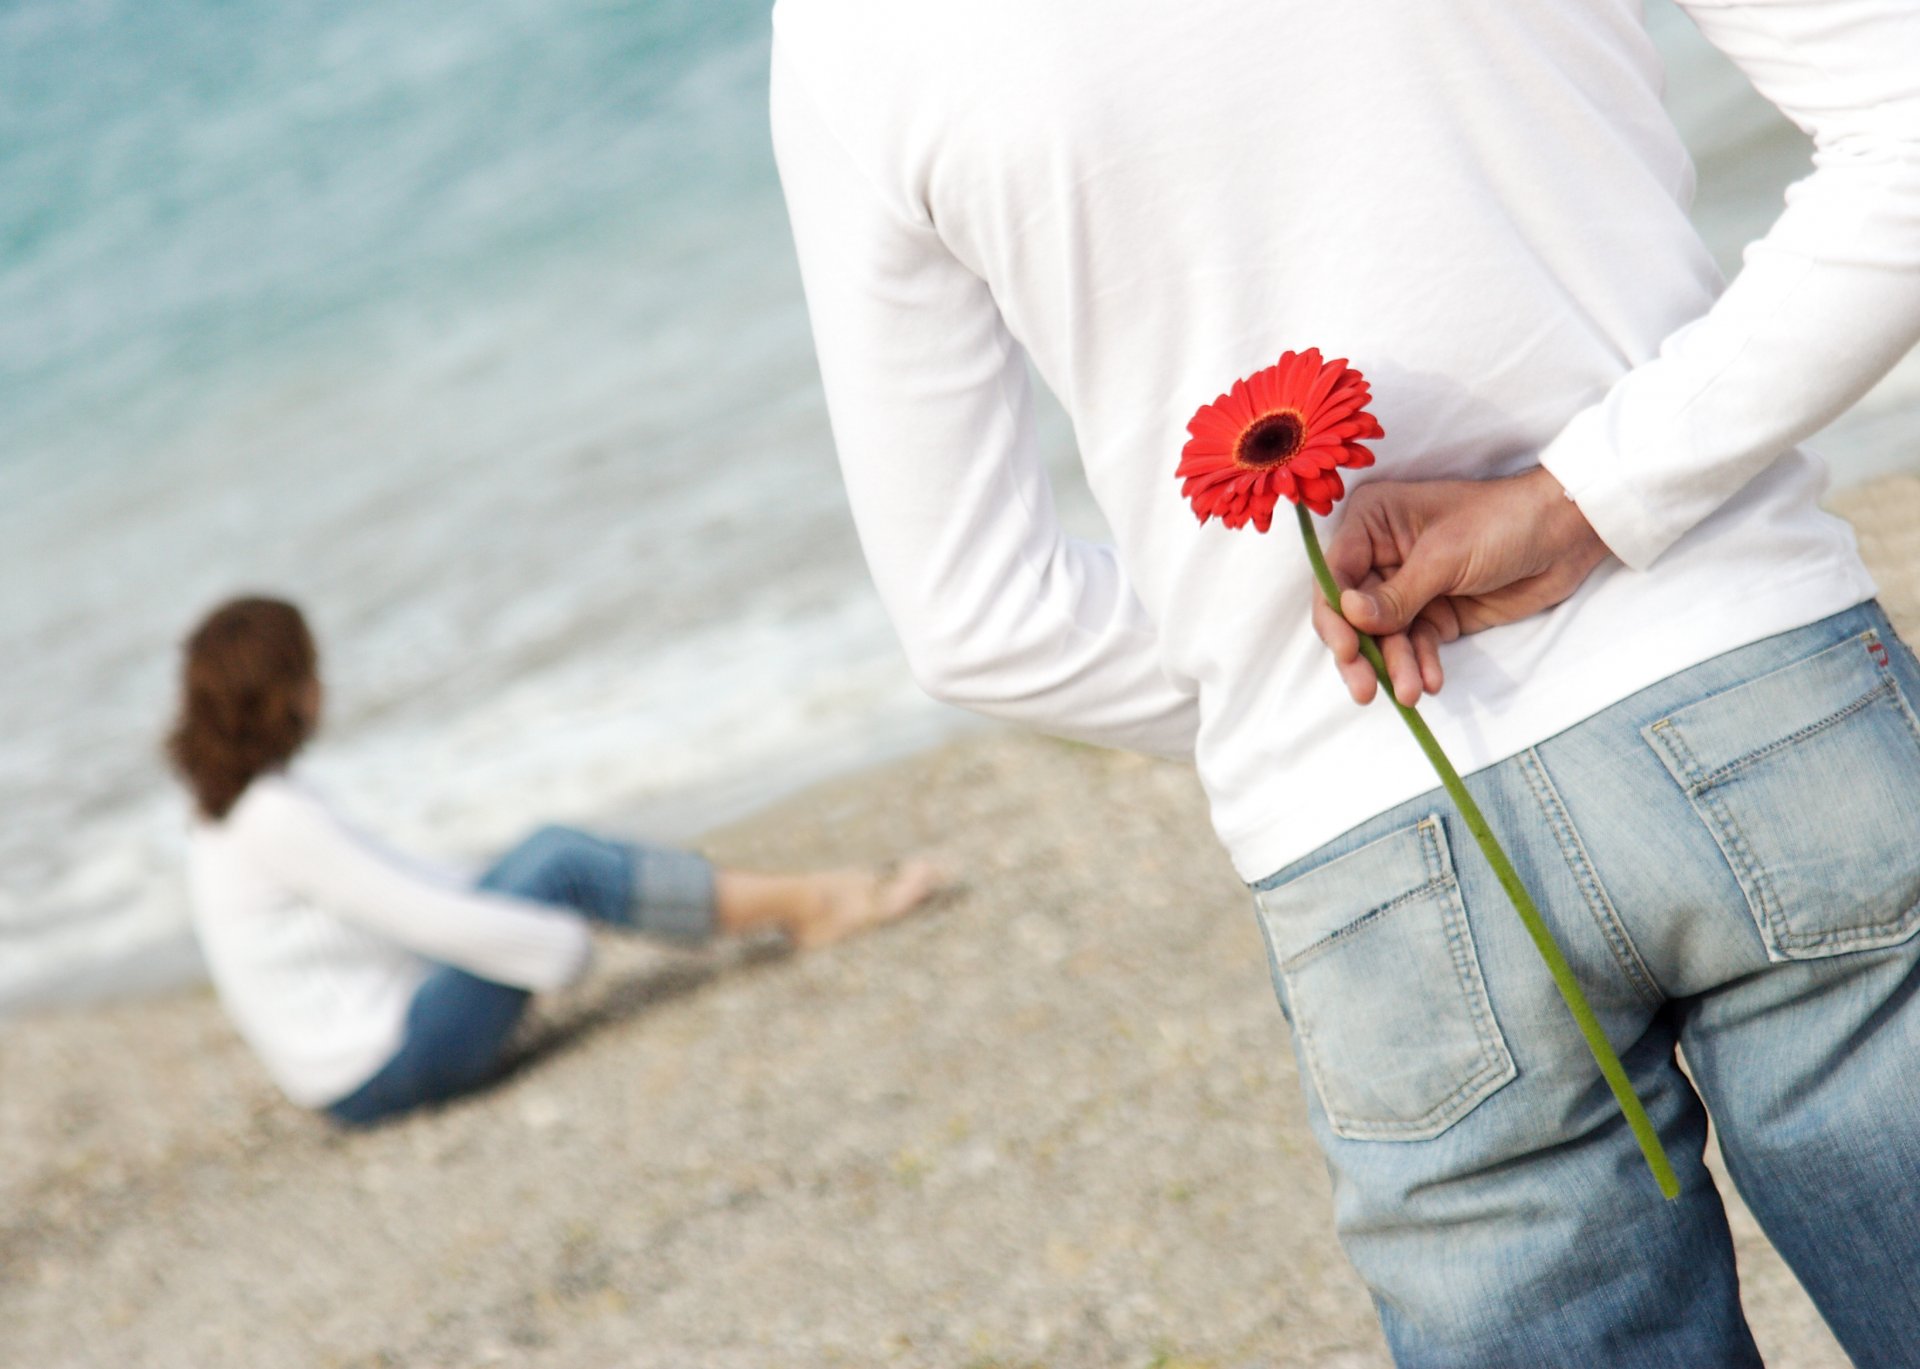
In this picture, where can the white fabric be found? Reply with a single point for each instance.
(317, 938)
(1482, 205)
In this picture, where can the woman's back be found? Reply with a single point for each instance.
(322, 999)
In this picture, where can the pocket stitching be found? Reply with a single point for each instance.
(1466, 963)
(1496, 1060)
(1494, 1054)
(1314, 950)
(1881, 933)
(1900, 695)
(1727, 833)
(1496, 1063)
(1700, 789)
(1812, 729)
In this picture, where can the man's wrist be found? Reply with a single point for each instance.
(1561, 523)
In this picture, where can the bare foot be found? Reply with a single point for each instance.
(854, 900)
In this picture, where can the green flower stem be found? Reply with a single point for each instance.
(1543, 941)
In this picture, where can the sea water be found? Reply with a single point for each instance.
(475, 330)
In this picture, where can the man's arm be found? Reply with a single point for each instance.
(1823, 306)
(1827, 301)
(998, 610)
(1428, 560)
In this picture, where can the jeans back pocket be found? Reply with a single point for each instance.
(1378, 969)
(1809, 779)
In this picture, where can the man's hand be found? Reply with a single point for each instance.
(1421, 562)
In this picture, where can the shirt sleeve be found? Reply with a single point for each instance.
(1824, 305)
(511, 941)
(928, 393)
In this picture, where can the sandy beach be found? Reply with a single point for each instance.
(1052, 1122)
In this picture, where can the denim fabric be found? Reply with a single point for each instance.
(458, 1026)
(458, 1023)
(1731, 861)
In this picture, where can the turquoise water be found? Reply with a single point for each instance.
(476, 329)
(199, 193)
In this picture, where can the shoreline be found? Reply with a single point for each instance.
(165, 960)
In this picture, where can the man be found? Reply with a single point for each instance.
(1664, 670)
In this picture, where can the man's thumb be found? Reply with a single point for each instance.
(1393, 604)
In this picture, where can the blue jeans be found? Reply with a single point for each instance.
(458, 1023)
(1731, 861)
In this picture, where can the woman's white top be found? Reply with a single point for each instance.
(1480, 203)
(317, 938)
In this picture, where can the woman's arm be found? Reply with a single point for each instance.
(294, 836)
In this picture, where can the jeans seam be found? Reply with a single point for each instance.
(1898, 694)
(1339, 934)
(1898, 929)
(1466, 965)
(1732, 768)
(1580, 862)
(1889, 933)
(1436, 1120)
(1755, 882)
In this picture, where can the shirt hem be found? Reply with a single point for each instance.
(1279, 838)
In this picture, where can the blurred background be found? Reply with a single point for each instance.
(476, 330)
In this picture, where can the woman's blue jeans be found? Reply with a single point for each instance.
(458, 1023)
(1731, 861)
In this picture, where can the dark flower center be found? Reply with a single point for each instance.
(1271, 440)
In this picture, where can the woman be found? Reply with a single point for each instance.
(369, 985)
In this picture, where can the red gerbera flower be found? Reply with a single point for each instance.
(1279, 433)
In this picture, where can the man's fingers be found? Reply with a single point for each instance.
(1408, 670)
(1403, 667)
(1443, 616)
(1350, 549)
(1412, 658)
(1426, 650)
(1355, 671)
(1360, 680)
(1393, 604)
(1335, 631)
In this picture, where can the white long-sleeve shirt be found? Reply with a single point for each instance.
(1480, 203)
(317, 938)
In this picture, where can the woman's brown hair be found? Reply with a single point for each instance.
(243, 707)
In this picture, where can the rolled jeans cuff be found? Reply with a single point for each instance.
(672, 893)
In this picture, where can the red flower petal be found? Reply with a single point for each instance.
(1211, 425)
(1280, 433)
